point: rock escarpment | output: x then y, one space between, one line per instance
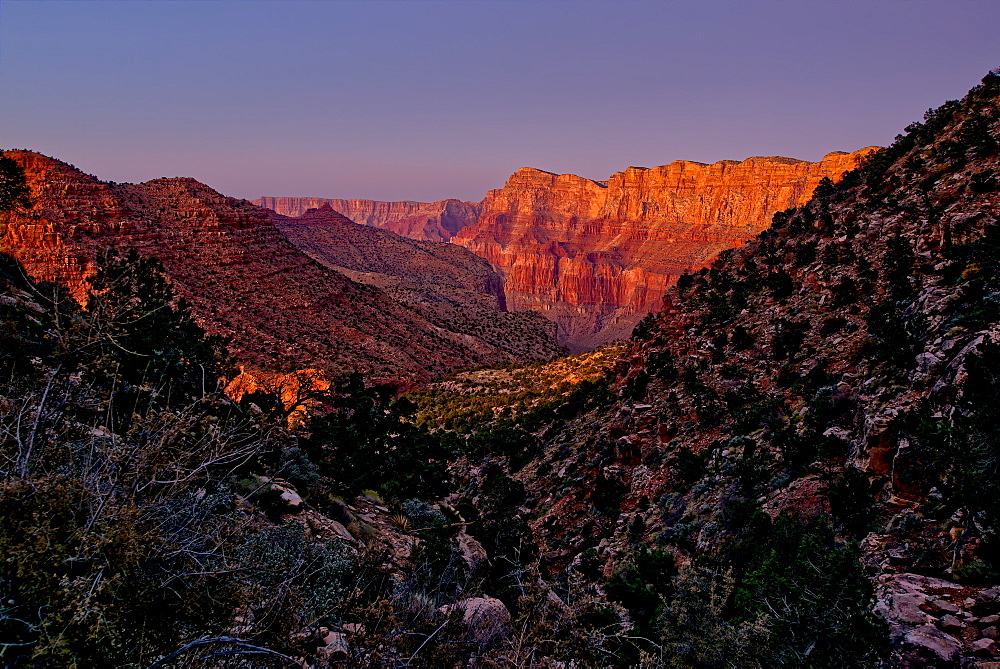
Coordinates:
594 256
430 221
243 278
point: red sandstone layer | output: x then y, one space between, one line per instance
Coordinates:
243 278
594 256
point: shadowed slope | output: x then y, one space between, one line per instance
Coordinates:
448 285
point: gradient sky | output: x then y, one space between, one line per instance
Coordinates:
419 100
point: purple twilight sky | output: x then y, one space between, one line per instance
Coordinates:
423 100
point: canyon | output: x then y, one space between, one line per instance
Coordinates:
595 256
813 409
792 463
243 279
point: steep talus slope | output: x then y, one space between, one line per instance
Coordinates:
430 221
448 285
242 277
594 256
842 364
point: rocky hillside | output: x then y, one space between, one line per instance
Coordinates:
807 429
429 221
148 520
446 284
594 256
243 278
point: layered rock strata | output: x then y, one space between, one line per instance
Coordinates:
282 309
429 221
594 256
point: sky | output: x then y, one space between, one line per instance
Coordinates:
424 100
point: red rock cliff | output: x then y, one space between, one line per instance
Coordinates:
428 221
594 256
283 310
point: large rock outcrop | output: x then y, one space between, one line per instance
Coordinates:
594 256
429 221
282 309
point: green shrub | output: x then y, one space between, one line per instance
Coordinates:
365 441
816 597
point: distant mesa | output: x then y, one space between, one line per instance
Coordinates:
428 221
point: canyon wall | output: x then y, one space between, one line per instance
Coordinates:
429 221
595 256
282 309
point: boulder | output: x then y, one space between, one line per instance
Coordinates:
279 495
353 628
920 583
984 648
987 601
934 642
473 553
334 648
941 606
927 363
325 528
906 608
906 601
951 623
340 531
484 618
293 502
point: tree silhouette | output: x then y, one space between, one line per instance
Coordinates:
14 192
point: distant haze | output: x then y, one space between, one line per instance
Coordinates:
429 100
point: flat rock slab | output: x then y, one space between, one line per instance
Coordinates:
943 646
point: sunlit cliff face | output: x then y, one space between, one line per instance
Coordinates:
594 256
